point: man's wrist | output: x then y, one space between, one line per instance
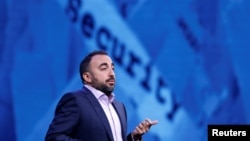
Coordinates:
136 137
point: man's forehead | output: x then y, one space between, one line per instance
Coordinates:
101 59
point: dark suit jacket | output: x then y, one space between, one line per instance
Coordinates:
80 117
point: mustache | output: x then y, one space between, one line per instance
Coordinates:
110 79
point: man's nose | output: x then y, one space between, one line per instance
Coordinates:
112 72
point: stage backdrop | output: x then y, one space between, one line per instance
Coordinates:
184 63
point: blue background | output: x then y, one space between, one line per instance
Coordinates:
184 63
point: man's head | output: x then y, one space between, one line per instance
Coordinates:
97 70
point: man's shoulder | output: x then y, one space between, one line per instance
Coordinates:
74 95
77 92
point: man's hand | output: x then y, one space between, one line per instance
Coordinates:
142 128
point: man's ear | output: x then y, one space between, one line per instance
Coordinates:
86 76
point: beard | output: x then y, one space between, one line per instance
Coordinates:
102 86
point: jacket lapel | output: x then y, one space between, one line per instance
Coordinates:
122 116
99 111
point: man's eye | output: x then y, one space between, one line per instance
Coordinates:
104 68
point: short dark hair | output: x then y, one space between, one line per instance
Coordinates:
84 65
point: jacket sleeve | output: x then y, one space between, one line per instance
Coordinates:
65 120
129 138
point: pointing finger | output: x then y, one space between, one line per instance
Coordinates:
151 122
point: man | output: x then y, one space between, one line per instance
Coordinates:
92 113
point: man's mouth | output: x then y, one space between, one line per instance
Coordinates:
111 81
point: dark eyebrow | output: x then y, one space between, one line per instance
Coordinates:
106 64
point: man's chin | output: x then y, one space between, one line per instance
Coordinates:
111 87
109 90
